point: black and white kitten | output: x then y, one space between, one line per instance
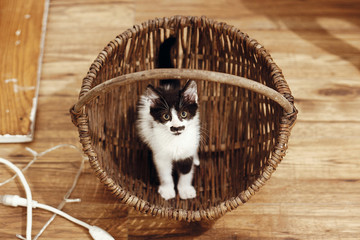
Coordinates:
168 122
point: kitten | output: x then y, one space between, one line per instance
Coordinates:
168 122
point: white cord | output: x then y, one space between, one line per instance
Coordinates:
28 195
14 200
67 195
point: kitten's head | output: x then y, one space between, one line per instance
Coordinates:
173 109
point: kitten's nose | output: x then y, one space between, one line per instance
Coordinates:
177 129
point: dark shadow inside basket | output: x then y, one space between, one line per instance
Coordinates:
238 127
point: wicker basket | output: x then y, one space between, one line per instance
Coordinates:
246 123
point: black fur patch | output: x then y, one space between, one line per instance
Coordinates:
184 166
172 98
164 57
164 61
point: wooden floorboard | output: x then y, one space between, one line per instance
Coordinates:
315 192
22 33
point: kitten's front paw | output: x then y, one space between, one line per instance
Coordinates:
167 192
187 192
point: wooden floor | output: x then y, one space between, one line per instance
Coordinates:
315 192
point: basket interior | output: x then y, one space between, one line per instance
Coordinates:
239 127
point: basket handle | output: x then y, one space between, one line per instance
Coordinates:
173 73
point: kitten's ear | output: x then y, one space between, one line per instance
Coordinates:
190 91
152 95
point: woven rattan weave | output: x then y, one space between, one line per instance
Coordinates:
246 111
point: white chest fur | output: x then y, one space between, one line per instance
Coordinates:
176 147
163 143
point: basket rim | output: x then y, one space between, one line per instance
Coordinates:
287 121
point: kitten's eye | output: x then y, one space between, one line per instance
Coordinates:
166 116
183 114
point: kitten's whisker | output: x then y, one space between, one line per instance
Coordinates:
204 140
204 131
204 136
